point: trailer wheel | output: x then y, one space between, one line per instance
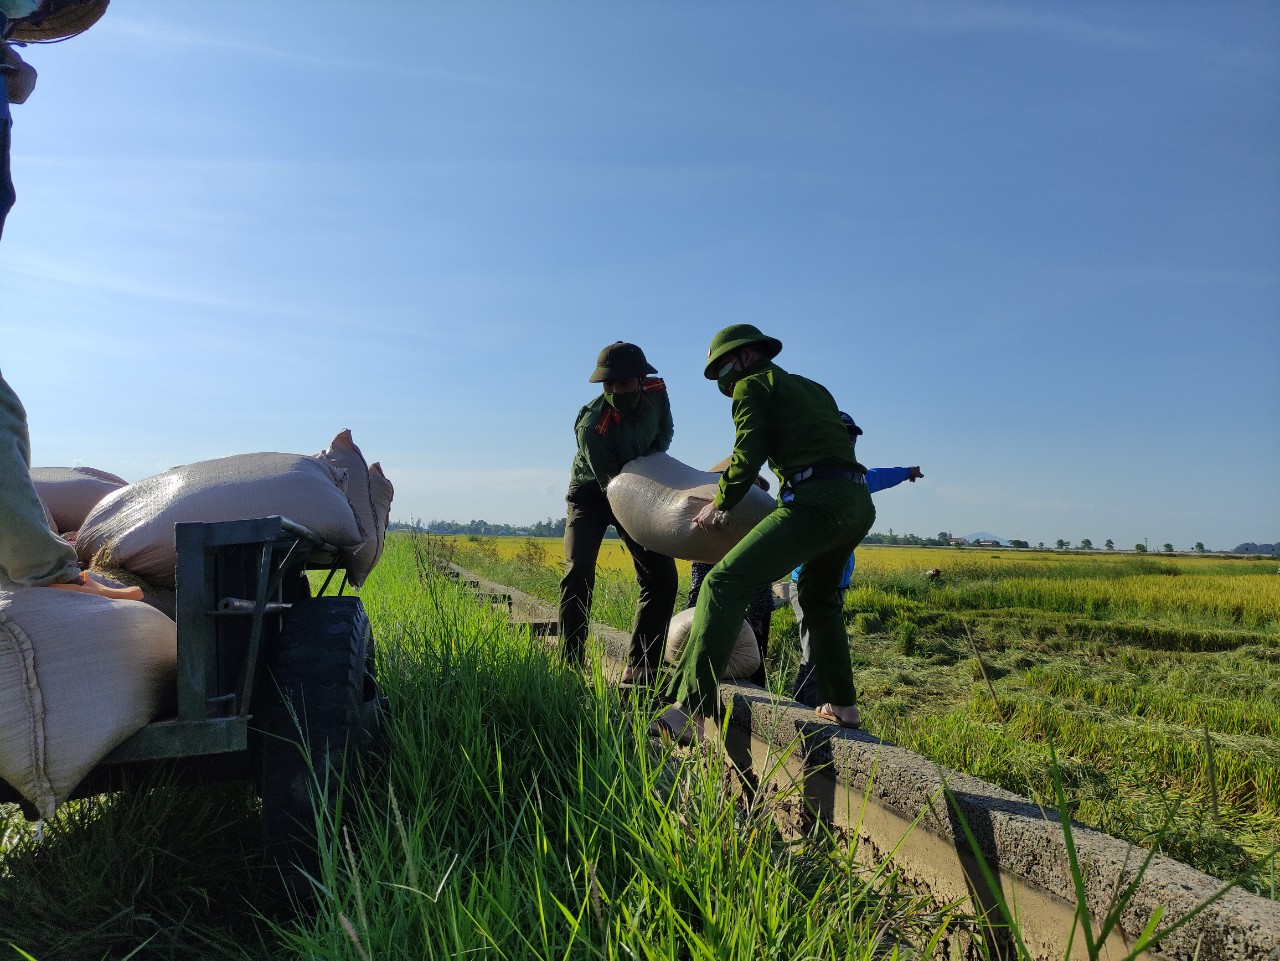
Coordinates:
324 711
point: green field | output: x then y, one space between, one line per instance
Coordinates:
1156 679
523 812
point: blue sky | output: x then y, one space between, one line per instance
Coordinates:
1032 247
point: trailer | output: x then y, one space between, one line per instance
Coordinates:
274 686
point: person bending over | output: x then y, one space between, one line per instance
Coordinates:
824 510
630 418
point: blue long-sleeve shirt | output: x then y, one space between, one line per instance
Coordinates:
878 479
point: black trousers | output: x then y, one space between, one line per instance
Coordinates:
7 195
588 517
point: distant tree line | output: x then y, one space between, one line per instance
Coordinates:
555 528
547 528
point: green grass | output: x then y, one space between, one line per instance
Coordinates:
522 812
563 830
1157 680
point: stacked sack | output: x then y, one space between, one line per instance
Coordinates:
335 494
79 674
70 493
369 493
656 498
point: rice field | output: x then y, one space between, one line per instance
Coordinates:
523 812
1156 679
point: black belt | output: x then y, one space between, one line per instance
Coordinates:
826 473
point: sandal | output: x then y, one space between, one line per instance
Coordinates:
675 725
85 584
829 712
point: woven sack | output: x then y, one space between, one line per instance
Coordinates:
742 662
71 492
132 528
78 675
369 493
656 497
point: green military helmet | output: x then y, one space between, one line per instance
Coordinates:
620 361
733 337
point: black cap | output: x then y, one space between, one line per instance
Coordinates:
850 427
620 361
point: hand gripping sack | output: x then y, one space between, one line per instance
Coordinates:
656 498
79 674
70 493
742 662
132 528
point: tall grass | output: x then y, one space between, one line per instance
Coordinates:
526 813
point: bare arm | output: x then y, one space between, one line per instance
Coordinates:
20 76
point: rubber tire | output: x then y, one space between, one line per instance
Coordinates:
322 700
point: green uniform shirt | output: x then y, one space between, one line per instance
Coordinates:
791 421
607 438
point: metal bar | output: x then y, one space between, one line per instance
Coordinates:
255 629
177 738
239 605
197 648
325 586
285 566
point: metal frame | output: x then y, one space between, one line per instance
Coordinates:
230 603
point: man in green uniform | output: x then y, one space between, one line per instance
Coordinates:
824 510
631 418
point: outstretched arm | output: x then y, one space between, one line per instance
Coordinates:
882 478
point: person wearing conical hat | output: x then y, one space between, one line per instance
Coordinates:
631 417
824 510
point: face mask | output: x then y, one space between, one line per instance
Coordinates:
726 370
726 385
623 402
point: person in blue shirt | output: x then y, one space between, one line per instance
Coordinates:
805 686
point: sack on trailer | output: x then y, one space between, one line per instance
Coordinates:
79 674
369 493
70 493
133 528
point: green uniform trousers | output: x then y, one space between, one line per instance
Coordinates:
31 554
820 526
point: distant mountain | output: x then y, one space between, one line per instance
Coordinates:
984 536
